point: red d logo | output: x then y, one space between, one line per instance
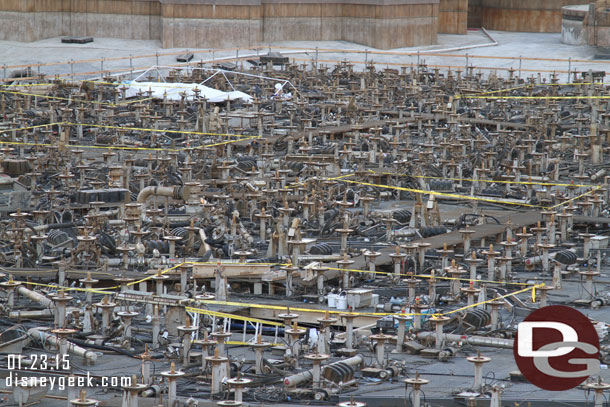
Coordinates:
557 348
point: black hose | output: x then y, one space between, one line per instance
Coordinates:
85 344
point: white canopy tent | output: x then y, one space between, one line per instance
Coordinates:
173 90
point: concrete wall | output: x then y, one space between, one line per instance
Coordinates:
453 16
227 23
573 30
523 15
474 13
209 23
597 28
32 20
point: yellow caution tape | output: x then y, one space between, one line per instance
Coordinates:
427 276
128 102
495 91
228 142
241 137
249 343
91 290
296 184
533 294
12 92
231 316
490 300
597 188
197 133
285 308
267 306
385 273
31 127
529 85
448 195
491 181
536 97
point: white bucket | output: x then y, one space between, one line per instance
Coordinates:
342 301
332 300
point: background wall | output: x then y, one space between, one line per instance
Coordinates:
518 15
227 23
453 16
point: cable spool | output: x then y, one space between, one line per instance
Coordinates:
57 237
106 139
180 232
402 216
477 318
328 149
295 167
441 185
338 372
261 260
323 249
247 165
566 257
161 245
430 231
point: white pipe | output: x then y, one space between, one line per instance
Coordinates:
54 340
39 313
294 380
34 296
493 43
175 192
473 340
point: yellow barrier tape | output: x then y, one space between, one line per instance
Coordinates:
128 102
152 275
232 316
427 276
536 97
236 263
529 85
249 343
386 273
31 127
75 100
296 184
490 300
267 306
52 97
227 142
18 143
496 91
286 307
127 148
57 287
241 138
597 188
197 133
553 184
436 193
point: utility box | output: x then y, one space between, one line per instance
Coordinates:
13 195
360 298
599 242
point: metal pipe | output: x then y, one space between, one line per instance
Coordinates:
473 340
176 192
34 296
294 380
72 348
